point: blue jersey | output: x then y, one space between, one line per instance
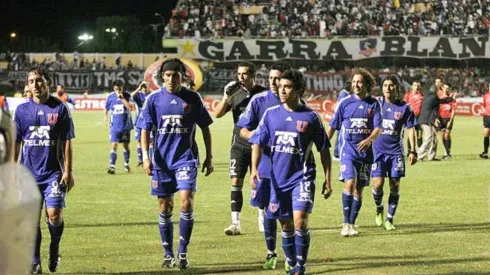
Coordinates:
396 116
43 130
139 99
355 119
250 120
174 116
120 115
291 135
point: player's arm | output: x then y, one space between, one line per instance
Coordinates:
330 132
377 121
254 171
68 178
453 114
208 144
326 159
246 133
225 104
125 101
145 146
133 93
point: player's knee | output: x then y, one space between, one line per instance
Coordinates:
287 225
301 223
166 205
55 218
237 182
114 146
186 204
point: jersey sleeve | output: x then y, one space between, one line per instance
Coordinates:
18 125
147 116
203 118
108 103
336 121
67 126
409 118
249 119
261 135
377 118
320 137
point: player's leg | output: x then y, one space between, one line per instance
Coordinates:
186 184
114 137
486 140
126 153
348 174
260 198
427 141
378 172
55 202
303 197
447 145
363 176
432 153
392 203
163 186
239 163
166 229
139 152
36 259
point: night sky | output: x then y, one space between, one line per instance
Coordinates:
64 20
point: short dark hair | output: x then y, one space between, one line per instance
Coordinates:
42 72
251 67
180 69
393 79
281 66
296 77
447 84
118 83
367 77
348 85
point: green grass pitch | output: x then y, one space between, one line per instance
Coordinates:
442 222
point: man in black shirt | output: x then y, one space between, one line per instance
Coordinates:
236 97
429 121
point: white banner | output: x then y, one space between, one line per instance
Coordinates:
232 50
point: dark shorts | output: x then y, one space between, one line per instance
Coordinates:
53 193
392 166
283 203
444 124
120 137
486 122
260 197
240 162
164 183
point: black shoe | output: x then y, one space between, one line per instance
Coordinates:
140 164
484 155
168 261
183 262
435 159
36 269
54 263
111 170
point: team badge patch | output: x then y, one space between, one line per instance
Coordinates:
398 115
52 119
154 184
273 207
301 126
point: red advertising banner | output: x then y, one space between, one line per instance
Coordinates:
90 104
469 109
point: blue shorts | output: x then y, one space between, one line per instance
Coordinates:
53 193
137 134
165 183
120 137
261 195
283 203
351 169
392 166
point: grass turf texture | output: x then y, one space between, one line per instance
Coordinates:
442 222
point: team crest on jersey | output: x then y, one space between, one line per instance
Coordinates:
52 119
154 184
397 115
273 207
301 126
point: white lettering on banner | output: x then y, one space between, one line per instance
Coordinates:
233 50
90 104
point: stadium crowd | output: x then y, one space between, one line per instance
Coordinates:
326 18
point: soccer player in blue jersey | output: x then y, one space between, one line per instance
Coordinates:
139 96
236 97
290 130
117 103
388 149
44 129
358 119
248 123
175 111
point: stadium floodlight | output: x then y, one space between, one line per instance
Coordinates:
85 37
13 35
113 30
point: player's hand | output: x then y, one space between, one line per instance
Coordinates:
254 175
208 166
412 158
68 181
231 89
148 166
364 145
437 123
327 189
